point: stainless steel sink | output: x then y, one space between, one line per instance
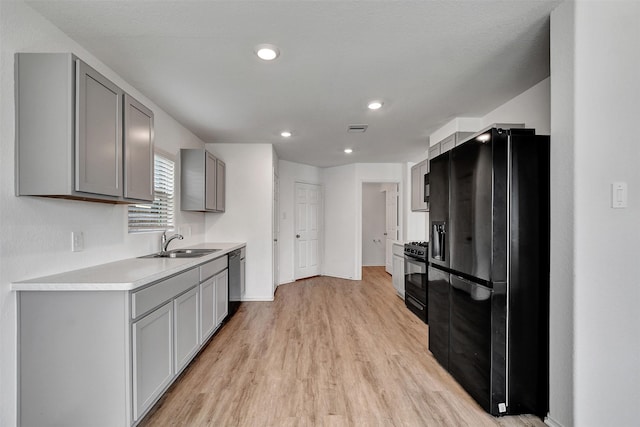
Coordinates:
181 253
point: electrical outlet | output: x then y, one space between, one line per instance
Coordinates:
77 241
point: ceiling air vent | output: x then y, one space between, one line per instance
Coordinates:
357 128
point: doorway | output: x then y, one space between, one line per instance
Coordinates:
380 223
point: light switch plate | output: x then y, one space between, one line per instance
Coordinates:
77 241
619 195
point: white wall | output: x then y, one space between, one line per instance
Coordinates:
340 206
374 208
248 217
36 231
595 124
530 107
561 304
290 173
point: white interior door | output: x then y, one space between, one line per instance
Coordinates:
276 231
308 229
391 232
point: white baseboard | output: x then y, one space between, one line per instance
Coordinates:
269 298
551 422
337 276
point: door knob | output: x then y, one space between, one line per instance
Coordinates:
297 236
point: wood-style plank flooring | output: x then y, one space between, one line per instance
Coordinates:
326 352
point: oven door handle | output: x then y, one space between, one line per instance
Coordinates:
413 302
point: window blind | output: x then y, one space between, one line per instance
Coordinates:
159 215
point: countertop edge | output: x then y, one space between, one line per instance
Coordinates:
65 281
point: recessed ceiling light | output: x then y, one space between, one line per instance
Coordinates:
285 134
267 52
348 150
375 105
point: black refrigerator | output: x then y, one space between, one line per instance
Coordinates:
488 278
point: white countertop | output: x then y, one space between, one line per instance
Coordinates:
125 275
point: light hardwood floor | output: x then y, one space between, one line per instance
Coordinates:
326 352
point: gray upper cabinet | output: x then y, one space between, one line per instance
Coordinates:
210 182
418 173
448 143
220 185
138 150
434 151
202 181
69 133
98 136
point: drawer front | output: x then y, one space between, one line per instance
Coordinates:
398 250
212 268
148 298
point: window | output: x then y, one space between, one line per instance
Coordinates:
157 216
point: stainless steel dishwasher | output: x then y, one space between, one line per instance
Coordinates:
235 281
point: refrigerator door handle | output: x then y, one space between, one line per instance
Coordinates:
476 291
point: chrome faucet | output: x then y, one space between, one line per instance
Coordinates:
165 241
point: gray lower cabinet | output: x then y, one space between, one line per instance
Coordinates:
202 181
214 301
222 295
243 274
152 357
104 358
69 133
207 309
187 333
398 268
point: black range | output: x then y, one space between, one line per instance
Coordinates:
415 278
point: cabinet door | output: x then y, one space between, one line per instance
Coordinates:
398 274
186 333
98 154
220 185
434 151
138 150
210 182
415 187
152 357
207 309
243 267
222 295
448 143
424 170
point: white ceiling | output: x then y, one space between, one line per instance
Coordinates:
430 61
